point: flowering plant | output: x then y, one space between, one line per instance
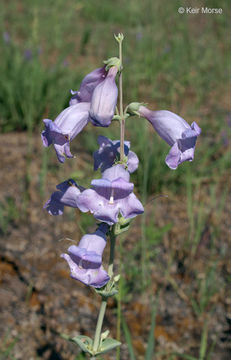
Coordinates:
110 199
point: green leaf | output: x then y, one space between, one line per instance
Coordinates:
107 345
184 356
204 339
127 335
149 355
105 293
84 342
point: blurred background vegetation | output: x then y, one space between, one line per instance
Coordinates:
181 63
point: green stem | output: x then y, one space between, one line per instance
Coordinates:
122 122
118 325
143 220
99 325
112 252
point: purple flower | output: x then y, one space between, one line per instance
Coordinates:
85 260
110 196
64 128
109 152
87 86
28 54
104 99
176 132
67 194
6 37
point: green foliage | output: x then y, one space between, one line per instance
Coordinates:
9 213
207 287
150 351
128 339
27 89
6 349
163 68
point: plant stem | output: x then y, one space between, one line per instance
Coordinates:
112 253
122 122
118 325
99 324
144 199
112 234
122 134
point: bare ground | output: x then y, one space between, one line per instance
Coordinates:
39 301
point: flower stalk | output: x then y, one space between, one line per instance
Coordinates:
112 252
120 38
99 325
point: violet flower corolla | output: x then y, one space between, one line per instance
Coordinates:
110 196
104 99
60 132
85 260
88 85
109 152
67 194
28 54
6 37
176 132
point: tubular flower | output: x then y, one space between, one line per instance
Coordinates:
104 99
109 152
64 128
85 260
87 86
67 194
176 132
110 196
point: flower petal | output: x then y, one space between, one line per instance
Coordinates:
66 126
89 200
173 157
53 205
88 85
93 277
104 99
131 206
107 212
133 162
167 124
84 258
69 191
103 187
115 172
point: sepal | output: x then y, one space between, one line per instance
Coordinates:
133 108
113 61
116 117
122 225
108 290
122 162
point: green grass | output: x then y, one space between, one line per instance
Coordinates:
169 61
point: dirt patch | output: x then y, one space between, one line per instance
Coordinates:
39 301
